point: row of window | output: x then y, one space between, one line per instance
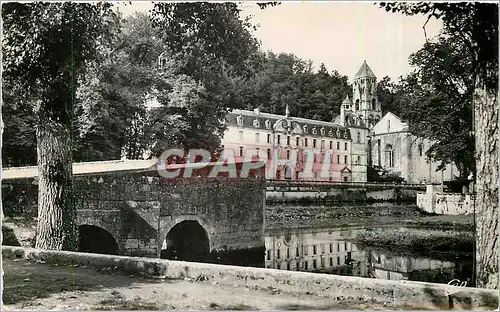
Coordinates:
314 263
316 159
297 141
305 250
314 131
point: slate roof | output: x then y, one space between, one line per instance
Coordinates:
347 100
330 129
365 71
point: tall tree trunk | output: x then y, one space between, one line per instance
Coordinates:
487 199
56 211
1 201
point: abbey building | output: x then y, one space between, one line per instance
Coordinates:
340 150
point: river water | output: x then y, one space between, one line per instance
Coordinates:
304 245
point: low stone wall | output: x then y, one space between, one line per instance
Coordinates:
434 201
412 294
337 194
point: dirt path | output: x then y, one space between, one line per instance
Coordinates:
29 285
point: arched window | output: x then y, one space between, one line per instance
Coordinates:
388 126
389 156
239 120
374 104
357 104
420 149
379 144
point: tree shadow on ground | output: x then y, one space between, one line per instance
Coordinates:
9 237
25 280
459 299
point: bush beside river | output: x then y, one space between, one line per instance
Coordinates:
294 216
439 244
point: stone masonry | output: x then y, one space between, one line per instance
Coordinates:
139 210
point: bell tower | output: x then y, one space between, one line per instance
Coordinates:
365 100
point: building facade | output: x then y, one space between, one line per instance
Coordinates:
340 150
294 148
395 149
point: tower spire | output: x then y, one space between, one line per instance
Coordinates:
287 111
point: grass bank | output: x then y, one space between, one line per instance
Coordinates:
314 216
441 245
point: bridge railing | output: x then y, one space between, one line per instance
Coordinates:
278 182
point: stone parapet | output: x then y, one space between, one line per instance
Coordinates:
417 295
435 201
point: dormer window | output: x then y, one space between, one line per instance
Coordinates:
305 128
256 123
330 133
322 131
338 133
239 120
267 123
345 134
314 131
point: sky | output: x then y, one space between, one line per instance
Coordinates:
339 34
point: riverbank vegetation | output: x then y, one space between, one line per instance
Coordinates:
442 245
295 216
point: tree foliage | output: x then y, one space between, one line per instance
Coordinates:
436 99
209 49
111 107
46 47
477 24
285 79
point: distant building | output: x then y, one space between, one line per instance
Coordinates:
345 147
287 142
395 149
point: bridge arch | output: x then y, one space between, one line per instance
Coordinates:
187 240
96 239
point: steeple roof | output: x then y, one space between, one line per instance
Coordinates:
347 100
365 71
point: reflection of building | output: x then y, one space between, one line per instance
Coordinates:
311 250
385 266
332 251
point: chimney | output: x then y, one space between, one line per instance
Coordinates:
256 111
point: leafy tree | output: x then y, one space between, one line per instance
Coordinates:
111 107
391 96
477 23
439 101
19 135
210 48
264 5
46 48
283 79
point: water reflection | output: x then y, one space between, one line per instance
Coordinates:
334 251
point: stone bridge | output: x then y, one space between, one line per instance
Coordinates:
141 214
